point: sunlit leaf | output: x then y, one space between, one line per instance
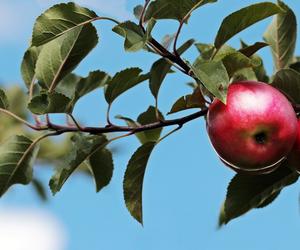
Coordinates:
214 77
60 56
58 20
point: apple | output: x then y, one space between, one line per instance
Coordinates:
293 159
255 130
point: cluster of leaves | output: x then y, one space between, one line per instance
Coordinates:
64 35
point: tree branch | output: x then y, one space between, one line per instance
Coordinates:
114 128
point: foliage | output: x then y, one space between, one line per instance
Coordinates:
64 35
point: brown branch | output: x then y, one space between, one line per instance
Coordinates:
114 128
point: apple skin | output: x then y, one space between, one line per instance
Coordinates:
255 130
293 159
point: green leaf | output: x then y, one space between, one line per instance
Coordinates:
206 50
58 20
252 49
134 178
194 100
60 56
40 189
75 87
49 103
244 74
122 81
101 166
161 68
214 77
3 100
281 35
149 116
269 200
170 9
242 19
251 191
288 81
135 38
28 65
237 61
83 148
17 156
67 93
295 66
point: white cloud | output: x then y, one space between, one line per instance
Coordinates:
30 229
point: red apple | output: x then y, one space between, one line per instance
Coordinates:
255 130
293 159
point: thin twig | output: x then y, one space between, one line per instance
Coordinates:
142 17
38 128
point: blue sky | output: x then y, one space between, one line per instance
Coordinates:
185 183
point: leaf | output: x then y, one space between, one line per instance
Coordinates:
170 9
251 191
3 100
244 74
149 116
17 155
161 68
60 56
214 77
75 87
242 19
269 200
281 35
58 20
40 189
28 65
49 103
206 50
288 81
135 38
237 61
122 81
134 178
194 100
295 66
83 148
252 49
101 166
